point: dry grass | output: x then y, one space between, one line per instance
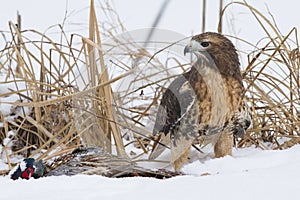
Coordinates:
272 80
64 115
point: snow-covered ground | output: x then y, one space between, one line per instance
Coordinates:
249 174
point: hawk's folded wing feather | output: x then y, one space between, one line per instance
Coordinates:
176 100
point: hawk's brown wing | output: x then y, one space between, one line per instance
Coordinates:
174 103
178 97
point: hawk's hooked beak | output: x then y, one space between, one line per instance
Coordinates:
188 48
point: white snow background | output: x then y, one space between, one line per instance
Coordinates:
249 174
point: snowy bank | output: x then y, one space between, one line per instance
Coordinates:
249 174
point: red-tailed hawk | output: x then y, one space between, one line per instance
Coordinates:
205 103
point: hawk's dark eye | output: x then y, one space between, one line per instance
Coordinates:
205 44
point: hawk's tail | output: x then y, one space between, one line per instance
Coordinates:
162 143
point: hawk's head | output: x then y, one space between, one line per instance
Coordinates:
219 48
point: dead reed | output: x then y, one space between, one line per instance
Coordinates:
272 80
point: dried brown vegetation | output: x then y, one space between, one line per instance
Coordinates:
64 115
